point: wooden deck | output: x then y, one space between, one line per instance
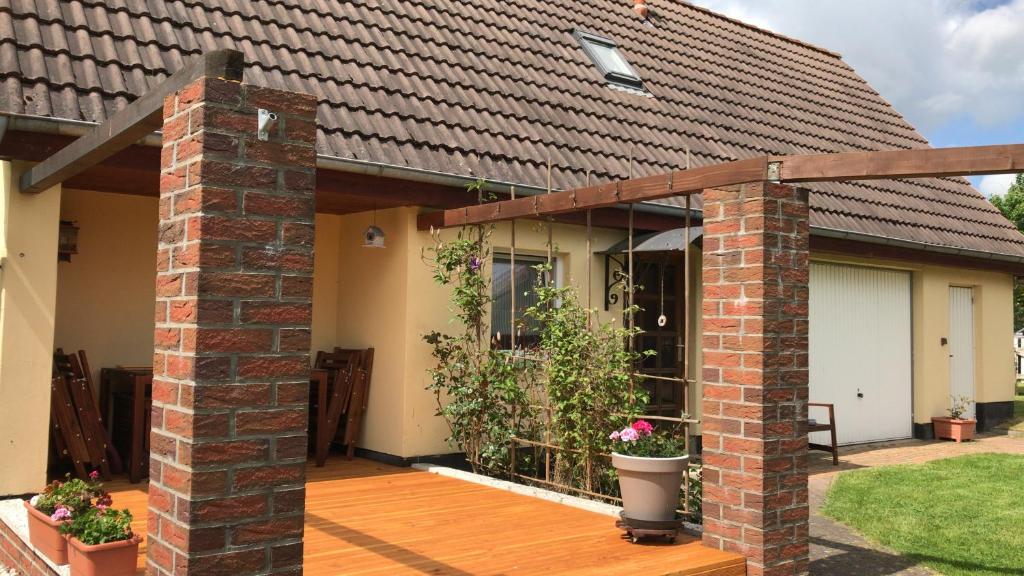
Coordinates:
366 518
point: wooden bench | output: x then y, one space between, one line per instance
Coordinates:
830 427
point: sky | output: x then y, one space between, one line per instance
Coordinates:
953 68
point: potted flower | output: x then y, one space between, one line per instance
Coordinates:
57 504
956 427
650 470
101 542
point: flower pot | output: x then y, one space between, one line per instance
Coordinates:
110 559
954 428
650 486
45 536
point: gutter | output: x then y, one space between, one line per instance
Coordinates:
924 246
66 127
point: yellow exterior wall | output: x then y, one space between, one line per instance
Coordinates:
387 299
993 330
28 286
106 294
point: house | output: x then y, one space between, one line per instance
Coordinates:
1018 348
911 280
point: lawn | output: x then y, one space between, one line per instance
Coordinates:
960 516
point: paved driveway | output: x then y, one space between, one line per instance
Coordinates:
840 551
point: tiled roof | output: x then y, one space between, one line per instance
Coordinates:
497 87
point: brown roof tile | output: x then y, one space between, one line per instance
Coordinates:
497 87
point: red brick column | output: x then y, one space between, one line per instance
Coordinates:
754 422
233 312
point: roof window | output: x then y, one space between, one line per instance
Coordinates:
609 61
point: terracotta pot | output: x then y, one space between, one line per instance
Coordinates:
45 536
954 428
650 486
110 559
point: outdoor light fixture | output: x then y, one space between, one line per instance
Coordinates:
67 241
374 236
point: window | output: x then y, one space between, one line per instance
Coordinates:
609 61
527 278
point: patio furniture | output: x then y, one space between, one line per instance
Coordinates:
830 427
126 399
78 429
339 387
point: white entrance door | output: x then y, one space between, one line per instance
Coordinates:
961 344
860 351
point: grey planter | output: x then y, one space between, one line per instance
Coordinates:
650 486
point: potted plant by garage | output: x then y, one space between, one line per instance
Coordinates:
56 505
650 467
956 427
101 542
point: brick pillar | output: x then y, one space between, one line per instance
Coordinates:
233 313
754 422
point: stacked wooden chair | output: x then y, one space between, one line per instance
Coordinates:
340 391
77 429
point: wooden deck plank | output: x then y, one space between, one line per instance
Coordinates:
366 518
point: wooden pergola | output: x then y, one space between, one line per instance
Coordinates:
921 163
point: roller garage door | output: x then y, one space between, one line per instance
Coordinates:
860 351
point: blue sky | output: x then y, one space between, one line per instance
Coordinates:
953 68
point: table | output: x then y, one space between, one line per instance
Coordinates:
137 383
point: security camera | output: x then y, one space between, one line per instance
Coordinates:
265 120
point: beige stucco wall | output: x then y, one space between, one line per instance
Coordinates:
28 286
993 319
388 300
105 294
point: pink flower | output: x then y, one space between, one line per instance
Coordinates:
614 435
61 513
102 508
629 435
94 475
643 427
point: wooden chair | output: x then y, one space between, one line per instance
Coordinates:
342 380
73 389
830 428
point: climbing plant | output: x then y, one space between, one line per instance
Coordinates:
586 377
482 393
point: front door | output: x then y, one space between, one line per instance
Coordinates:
961 344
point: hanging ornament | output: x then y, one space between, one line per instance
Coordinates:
373 237
662 319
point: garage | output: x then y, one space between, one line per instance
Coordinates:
860 351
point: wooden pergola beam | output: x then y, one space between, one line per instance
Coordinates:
924 163
678 183
932 162
128 125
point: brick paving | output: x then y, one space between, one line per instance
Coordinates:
837 550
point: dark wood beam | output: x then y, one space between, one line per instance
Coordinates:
129 125
932 162
600 218
910 255
678 183
925 163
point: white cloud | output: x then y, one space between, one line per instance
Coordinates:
995 184
934 60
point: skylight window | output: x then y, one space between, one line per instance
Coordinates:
609 61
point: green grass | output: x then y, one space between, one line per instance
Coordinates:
960 516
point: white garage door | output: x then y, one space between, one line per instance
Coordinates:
860 351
